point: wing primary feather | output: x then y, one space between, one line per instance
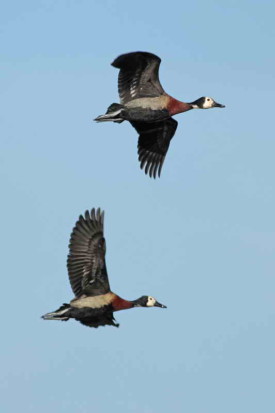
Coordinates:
153 144
86 259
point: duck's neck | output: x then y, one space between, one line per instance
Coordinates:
176 106
121 304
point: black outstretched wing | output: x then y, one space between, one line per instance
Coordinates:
138 76
86 259
153 143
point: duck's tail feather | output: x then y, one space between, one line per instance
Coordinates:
61 314
113 114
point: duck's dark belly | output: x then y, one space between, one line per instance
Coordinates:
138 114
94 317
88 312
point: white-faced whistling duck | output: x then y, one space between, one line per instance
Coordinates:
145 104
94 302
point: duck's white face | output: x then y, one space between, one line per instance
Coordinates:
151 301
205 103
211 103
208 103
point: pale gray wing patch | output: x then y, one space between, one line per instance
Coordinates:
134 85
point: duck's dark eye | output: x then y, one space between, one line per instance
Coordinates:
208 100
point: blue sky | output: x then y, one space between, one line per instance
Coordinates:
201 239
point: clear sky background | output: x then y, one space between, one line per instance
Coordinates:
200 239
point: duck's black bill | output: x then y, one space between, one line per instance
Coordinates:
218 105
157 304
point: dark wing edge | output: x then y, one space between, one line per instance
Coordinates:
130 60
153 144
138 76
86 258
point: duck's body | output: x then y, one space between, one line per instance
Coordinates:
164 103
94 302
145 104
153 109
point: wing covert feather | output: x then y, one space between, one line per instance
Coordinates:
138 76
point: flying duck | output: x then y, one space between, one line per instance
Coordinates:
149 109
94 302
